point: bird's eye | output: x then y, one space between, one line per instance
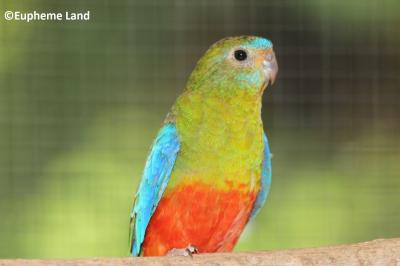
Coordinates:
240 55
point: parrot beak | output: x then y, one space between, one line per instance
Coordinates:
270 66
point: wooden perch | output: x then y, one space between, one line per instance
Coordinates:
377 252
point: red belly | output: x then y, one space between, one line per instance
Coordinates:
196 214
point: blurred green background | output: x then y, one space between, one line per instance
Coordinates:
80 103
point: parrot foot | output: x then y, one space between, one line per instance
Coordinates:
188 251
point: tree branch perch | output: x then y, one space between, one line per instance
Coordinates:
377 252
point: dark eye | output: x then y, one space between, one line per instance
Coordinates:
240 55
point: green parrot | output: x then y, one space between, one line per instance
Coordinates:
209 169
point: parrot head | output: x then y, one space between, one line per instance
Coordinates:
236 64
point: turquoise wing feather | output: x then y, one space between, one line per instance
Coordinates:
157 172
266 175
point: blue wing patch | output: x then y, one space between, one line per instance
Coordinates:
155 178
265 180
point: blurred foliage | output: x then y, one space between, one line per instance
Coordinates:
80 103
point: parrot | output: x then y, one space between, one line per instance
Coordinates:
208 172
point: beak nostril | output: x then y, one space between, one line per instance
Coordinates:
270 67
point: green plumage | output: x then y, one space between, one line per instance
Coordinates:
218 117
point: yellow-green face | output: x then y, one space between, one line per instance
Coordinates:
236 63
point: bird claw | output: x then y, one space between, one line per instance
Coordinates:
188 251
